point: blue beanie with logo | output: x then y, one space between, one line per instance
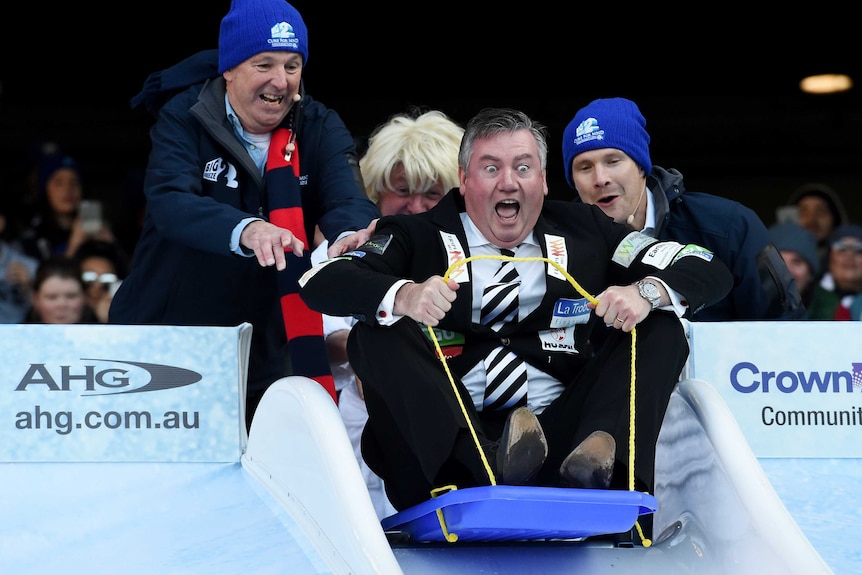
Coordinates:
254 26
607 123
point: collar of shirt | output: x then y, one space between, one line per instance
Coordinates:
649 224
257 145
531 273
480 245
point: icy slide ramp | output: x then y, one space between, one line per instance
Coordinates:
290 499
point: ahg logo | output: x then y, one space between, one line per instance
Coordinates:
110 380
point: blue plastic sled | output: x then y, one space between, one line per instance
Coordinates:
507 512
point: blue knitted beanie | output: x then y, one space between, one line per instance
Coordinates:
254 26
607 123
846 231
791 237
50 164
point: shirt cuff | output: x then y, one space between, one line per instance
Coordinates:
235 246
677 303
384 315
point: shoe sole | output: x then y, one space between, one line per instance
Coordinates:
591 463
523 448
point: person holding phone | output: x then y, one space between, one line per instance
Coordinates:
63 219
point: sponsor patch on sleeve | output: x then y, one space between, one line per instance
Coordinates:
628 249
311 273
694 250
377 244
661 254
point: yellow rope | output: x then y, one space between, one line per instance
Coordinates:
450 537
577 286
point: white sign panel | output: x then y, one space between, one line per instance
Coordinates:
794 387
94 393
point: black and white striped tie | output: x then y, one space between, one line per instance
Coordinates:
500 299
506 373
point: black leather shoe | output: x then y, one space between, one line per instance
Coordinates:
591 463
522 448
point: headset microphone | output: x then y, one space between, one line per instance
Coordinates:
631 218
297 97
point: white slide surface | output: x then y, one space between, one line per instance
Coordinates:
289 497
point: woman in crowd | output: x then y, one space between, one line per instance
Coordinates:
837 295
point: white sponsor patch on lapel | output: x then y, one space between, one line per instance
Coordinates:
561 339
557 252
454 254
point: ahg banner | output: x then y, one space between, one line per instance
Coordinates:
95 393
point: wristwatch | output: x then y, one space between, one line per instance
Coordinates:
649 292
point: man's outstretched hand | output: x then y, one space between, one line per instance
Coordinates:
352 241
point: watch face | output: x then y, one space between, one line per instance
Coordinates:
649 290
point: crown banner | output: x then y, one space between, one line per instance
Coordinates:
97 393
794 387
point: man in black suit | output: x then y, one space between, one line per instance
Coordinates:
561 416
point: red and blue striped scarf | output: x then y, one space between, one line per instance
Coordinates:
303 326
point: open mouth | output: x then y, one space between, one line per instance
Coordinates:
270 99
507 209
606 200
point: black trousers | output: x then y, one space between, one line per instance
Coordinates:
417 437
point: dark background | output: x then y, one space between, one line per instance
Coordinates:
719 90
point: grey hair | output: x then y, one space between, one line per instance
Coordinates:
494 121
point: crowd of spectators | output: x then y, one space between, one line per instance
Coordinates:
40 218
59 264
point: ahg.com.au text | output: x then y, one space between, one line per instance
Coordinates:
64 422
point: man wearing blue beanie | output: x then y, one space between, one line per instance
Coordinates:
244 167
607 162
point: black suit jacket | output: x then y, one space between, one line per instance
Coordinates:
596 252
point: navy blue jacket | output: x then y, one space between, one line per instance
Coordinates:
200 183
763 287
